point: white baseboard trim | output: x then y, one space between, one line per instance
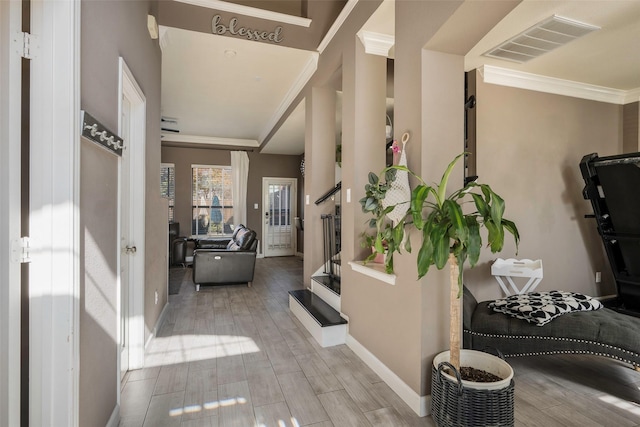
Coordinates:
421 405
300 254
156 328
114 419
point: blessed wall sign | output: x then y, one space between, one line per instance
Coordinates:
219 27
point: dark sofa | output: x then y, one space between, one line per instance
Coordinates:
602 332
225 261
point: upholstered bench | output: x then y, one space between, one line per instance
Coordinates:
602 332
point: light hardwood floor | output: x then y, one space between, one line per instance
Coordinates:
236 356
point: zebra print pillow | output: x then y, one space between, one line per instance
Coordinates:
541 308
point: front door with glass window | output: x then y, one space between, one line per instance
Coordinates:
279 202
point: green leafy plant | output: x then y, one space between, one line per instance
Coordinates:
449 234
387 237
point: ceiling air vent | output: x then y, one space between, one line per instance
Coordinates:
543 37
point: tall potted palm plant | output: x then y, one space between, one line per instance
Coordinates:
449 235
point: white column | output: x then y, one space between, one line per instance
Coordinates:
363 135
10 169
319 153
54 219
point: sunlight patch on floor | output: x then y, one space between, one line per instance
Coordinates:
194 347
622 404
176 412
282 423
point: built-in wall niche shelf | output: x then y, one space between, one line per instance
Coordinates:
374 270
94 131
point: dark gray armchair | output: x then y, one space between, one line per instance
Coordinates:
233 264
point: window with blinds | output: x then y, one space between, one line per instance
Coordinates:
168 185
212 200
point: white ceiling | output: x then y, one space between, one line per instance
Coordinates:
226 88
241 97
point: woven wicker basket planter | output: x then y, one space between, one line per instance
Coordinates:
456 403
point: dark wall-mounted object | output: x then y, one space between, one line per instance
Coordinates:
470 169
612 184
94 131
329 193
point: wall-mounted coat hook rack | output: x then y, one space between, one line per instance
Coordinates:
93 130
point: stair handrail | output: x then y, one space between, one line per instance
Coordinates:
329 193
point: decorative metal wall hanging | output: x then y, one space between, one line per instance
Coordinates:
236 30
94 131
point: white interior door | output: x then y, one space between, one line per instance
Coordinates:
279 210
126 248
131 236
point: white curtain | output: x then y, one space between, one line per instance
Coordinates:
240 171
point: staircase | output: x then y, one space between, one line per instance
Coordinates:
318 308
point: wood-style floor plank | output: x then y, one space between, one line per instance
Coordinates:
236 409
342 410
263 384
275 415
165 410
302 400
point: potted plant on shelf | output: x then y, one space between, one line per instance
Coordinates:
369 241
387 237
451 236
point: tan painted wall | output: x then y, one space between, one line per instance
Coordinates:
529 145
405 325
631 128
320 146
260 165
290 7
383 318
110 30
98 290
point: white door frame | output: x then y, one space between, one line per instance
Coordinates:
54 218
129 88
293 211
10 143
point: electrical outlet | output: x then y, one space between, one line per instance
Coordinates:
156 297
598 277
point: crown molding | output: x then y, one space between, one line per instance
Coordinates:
522 80
164 37
208 140
307 71
250 11
376 43
633 95
344 14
